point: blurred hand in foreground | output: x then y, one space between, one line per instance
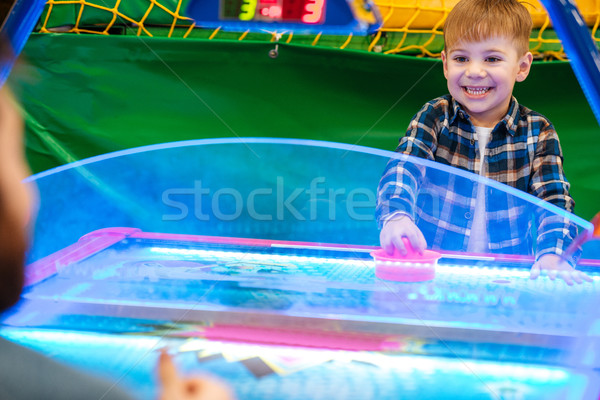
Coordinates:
176 387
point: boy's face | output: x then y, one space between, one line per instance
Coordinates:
481 76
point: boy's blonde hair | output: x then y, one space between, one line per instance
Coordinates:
476 20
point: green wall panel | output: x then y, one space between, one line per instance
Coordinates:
87 95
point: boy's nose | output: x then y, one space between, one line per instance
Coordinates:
475 70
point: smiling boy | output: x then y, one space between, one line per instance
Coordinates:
486 51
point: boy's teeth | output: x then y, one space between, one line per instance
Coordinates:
476 91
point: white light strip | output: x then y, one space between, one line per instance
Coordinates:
482 271
469 257
304 247
269 258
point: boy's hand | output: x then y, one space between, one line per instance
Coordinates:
177 387
555 266
400 226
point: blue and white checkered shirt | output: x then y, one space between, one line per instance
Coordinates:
524 153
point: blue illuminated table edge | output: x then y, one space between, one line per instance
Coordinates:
102 238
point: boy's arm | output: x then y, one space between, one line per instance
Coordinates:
397 191
549 183
398 187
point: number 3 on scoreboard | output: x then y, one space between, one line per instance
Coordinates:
247 10
314 11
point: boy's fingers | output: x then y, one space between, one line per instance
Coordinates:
388 236
388 246
534 273
392 233
422 243
576 275
581 276
566 276
386 243
585 276
399 245
415 241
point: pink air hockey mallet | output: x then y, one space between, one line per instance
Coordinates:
411 267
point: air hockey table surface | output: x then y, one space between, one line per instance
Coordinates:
282 301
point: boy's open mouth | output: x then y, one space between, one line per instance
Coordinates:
476 91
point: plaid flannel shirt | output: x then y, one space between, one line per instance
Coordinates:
523 152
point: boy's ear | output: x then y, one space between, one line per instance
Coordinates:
524 66
445 63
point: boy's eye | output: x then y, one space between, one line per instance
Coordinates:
492 59
460 59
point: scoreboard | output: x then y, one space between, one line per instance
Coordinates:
302 16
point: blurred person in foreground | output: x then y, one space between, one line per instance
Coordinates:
24 373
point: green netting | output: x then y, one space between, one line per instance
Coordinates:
410 27
95 15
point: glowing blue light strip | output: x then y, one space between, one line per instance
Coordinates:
87 338
256 257
410 363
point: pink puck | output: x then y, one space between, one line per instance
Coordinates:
412 267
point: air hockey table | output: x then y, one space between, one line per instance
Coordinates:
251 260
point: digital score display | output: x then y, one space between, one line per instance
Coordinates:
304 16
292 11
